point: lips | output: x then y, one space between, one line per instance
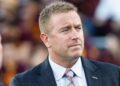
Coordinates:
75 45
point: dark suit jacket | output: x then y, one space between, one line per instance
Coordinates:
97 74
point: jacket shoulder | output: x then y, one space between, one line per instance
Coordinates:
28 76
106 66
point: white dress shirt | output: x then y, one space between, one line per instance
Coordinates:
59 71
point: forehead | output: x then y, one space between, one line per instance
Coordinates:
65 17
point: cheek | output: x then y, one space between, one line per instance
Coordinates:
82 37
61 44
60 41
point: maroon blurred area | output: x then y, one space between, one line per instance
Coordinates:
23 48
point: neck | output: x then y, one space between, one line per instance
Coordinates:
67 63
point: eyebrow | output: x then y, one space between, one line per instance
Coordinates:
67 25
79 24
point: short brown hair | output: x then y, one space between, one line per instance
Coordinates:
53 8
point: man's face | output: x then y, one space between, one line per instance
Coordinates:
66 38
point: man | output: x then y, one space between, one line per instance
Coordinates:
62 33
0 52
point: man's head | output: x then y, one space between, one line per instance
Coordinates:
53 8
61 30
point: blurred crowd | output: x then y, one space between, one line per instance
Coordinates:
23 49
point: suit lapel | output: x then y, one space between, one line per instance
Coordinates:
46 77
92 73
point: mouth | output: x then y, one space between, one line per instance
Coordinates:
75 45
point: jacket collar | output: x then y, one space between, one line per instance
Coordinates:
45 75
92 72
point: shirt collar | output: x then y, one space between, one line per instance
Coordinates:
76 68
55 67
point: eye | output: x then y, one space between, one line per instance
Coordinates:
78 27
65 29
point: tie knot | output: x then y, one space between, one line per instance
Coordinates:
69 73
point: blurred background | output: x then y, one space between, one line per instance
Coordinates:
23 49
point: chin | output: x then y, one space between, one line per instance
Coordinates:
76 55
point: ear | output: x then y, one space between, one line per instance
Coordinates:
44 37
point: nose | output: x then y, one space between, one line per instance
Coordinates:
75 35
